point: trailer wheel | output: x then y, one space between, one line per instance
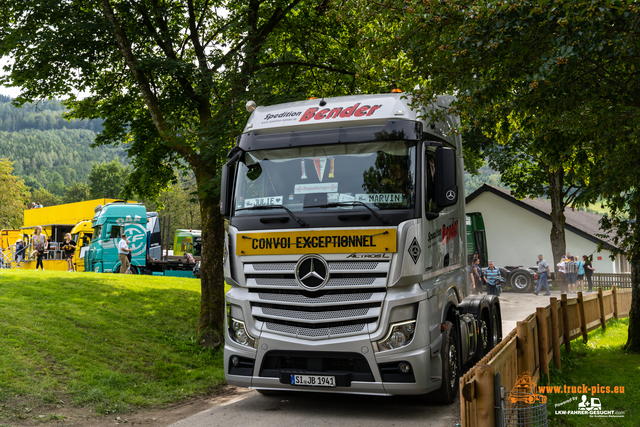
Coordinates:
450 367
521 280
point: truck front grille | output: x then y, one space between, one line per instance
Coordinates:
349 304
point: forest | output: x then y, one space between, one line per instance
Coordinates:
47 150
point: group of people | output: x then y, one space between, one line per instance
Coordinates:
489 277
571 271
40 244
35 205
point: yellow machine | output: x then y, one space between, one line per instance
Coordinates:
56 221
8 238
81 234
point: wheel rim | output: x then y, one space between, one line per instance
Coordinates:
521 281
453 364
484 334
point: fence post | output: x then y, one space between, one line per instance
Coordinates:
522 346
614 295
603 321
583 318
484 396
543 341
555 332
565 323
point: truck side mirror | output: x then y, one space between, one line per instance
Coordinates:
226 190
109 229
445 179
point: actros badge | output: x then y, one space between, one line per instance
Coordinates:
312 272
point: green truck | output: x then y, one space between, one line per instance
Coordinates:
519 278
143 233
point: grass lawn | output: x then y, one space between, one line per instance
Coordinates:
105 341
600 361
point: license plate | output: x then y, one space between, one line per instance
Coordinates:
313 380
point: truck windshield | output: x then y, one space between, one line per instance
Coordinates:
380 174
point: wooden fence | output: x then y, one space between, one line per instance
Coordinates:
609 280
532 345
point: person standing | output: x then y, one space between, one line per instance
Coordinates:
478 276
491 275
19 251
571 271
562 273
123 250
580 267
40 244
543 274
588 271
69 250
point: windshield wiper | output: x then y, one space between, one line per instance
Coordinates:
267 207
353 203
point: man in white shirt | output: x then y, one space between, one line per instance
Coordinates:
561 272
123 250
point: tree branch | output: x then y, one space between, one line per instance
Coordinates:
306 64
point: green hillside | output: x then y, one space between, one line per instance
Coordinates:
47 150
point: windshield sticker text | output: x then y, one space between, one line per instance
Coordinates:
379 198
263 201
329 187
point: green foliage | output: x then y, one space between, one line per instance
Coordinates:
179 202
77 192
106 180
42 157
13 196
45 197
111 342
43 115
584 366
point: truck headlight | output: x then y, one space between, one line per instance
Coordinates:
399 335
239 333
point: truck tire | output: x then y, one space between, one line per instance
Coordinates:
484 336
521 280
496 327
450 367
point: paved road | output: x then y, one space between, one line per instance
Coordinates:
314 409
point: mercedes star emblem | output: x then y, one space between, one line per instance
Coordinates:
312 272
451 194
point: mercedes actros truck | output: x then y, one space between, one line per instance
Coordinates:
346 251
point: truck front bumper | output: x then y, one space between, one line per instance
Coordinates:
351 360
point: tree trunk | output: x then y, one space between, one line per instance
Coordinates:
211 321
633 340
556 194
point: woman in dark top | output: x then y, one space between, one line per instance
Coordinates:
69 247
588 270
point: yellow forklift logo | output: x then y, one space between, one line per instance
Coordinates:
317 241
525 390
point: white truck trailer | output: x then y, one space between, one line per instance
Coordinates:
346 251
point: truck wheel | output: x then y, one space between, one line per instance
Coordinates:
484 331
496 328
450 367
521 280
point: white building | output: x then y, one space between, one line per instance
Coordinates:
518 230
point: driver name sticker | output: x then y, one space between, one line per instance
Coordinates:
379 198
329 187
263 201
